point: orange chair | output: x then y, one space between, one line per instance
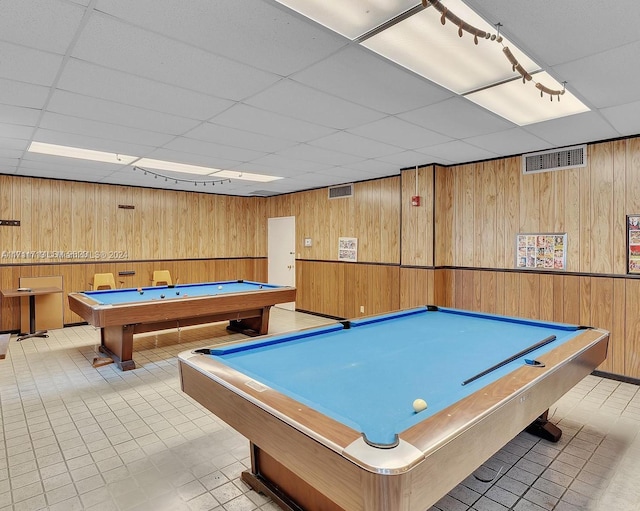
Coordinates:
161 278
103 281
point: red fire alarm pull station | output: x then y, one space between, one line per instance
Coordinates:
415 200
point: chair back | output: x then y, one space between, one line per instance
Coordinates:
161 278
103 281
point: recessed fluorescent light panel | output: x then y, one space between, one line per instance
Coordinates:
83 154
175 167
121 159
351 18
419 42
521 102
246 176
422 44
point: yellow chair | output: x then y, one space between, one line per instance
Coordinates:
161 278
103 281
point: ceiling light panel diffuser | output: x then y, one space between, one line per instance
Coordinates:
78 152
521 102
351 18
174 167
422 44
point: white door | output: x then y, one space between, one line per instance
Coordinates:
281 248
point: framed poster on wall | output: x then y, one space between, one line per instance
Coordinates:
541 251
348 249
633 244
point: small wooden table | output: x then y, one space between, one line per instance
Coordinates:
31 293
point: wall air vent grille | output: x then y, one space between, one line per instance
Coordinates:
340 192
557 159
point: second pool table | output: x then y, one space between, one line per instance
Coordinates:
328 411
121 313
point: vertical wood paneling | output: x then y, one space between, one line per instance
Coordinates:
444 217
632 329
547 305
417 222
601 186
512 211
618 209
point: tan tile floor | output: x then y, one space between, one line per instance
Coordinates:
78 437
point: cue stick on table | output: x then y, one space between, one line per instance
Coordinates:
531 348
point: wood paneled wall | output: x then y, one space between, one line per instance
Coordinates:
418 221
77 229
481 207
372 215
64 216
341 289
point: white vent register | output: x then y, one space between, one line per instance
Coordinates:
556 159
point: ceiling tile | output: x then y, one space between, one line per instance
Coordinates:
301 102
573 130
598 88
28 65
19 115
22 94
15 130
215 151
400 133
344 142
90 142
103 130
623 118
319 155
254 32
563 31
238 138
289 166
458 150
357 75
91 80
457 118
255 120
48 25
513 141
105 40
110 112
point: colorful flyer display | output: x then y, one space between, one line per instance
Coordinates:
542 251
633 242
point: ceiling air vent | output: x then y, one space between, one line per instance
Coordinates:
556 159
340 192
263 193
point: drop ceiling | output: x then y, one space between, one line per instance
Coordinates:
251 86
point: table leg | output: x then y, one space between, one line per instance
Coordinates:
542 428
258 325
117 342
32 322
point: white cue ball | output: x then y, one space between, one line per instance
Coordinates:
219 287
419 405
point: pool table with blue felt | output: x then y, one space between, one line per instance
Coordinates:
120 313
329 414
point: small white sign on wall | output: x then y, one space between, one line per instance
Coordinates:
348 249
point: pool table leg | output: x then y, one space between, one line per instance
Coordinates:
286 489
544 429
117 342
258 325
